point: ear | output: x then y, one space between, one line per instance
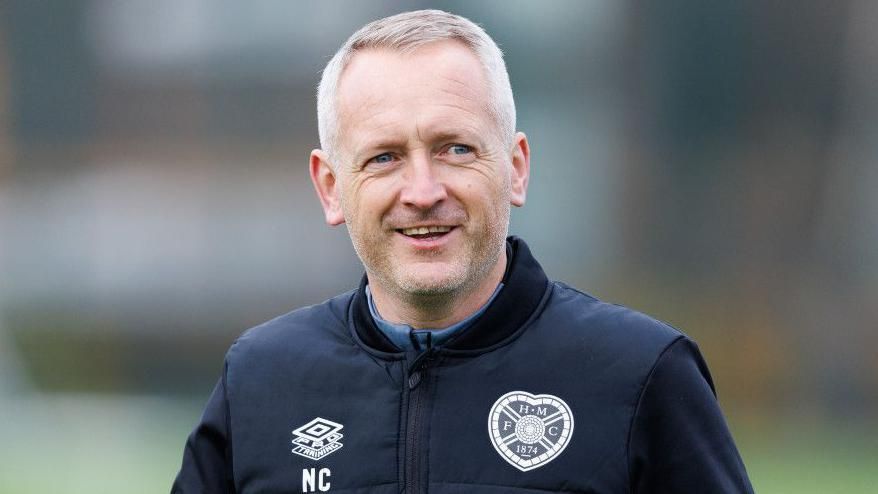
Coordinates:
328 189
520 170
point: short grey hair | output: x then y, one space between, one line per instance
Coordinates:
406 32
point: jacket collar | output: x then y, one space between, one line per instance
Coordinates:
525 286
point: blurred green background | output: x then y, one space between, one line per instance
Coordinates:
710 163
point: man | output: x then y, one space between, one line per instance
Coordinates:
456 366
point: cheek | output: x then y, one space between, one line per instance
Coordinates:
488 198
368 201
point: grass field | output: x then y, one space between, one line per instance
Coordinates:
75 444
807 456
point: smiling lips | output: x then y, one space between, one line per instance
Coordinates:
425 232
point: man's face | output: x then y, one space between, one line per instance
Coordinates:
422 179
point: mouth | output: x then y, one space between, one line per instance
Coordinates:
426 232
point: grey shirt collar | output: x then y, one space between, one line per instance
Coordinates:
401 334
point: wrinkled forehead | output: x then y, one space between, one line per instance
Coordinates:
381 86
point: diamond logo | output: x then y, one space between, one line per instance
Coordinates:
317 438
529 431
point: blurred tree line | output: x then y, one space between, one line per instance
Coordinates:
154 200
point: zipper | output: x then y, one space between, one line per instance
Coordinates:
418 388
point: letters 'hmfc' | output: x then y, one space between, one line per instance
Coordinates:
529 430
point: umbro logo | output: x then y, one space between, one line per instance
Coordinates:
529 430
317 438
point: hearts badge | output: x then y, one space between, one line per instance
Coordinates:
529 430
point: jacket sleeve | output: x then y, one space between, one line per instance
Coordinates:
207 456
679 440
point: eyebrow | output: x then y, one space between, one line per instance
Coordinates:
386 144
452 136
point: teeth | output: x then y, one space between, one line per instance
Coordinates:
423 230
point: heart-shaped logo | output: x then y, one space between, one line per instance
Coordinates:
529 430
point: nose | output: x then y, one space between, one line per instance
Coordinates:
422 189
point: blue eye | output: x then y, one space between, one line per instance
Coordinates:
382 158
460 149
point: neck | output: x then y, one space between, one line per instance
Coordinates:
437 310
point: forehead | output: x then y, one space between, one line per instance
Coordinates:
440 84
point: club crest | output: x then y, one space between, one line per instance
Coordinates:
317 438
529 430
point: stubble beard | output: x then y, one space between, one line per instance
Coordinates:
466 269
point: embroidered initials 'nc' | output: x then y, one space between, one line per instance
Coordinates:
312 480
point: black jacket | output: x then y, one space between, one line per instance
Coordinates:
550 390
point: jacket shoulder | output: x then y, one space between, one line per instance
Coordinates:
591 322
308 329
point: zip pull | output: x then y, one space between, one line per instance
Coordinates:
414 379
427 351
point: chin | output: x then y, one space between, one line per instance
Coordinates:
435 280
